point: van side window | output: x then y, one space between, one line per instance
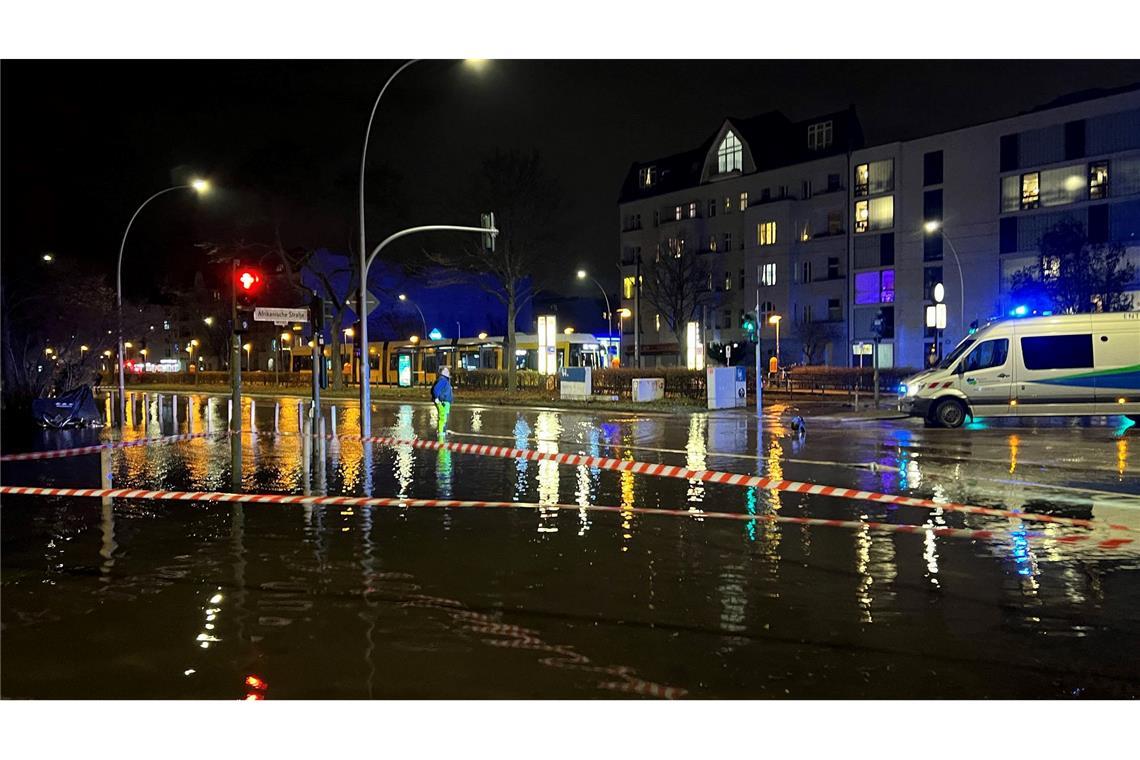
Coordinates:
1057 352
990 353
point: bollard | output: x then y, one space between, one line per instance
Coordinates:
252 427
174 412
229 410
277 417
301 415
307 455
209 415
322 487
333 413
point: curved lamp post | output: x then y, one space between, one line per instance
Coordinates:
403 297
934 226
199 186
583 275
362 302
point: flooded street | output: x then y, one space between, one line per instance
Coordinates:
167 599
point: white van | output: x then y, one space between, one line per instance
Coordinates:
1073 364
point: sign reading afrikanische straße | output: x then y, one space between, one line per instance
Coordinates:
281 316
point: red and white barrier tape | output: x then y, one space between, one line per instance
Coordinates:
728 478
374 501
58 453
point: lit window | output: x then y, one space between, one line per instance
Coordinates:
862 213
647 176
1098 181
805 232
768 274
1051 267
819 135
727 205
743 201
657 321
712 242
875 287
1030 189
766 233
728 155
693 210
677 213
862 179
627 287
728 280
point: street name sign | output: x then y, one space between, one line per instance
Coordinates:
280 316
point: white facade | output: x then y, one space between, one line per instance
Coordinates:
850 241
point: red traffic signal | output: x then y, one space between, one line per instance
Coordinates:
248 281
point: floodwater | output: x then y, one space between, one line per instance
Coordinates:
153 599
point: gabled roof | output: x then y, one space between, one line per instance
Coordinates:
772 138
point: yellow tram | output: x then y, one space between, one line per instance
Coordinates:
408 362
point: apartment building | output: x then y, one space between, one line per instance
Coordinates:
762 201
837 233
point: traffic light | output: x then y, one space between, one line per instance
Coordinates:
487 221
749 326
247 288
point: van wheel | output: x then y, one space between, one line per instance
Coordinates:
950 413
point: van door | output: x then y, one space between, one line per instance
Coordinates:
1116 354
1054 374
987 377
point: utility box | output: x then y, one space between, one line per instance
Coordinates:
577 383
648 389
727 387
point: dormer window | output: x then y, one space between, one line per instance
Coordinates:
820 135
729 154
647 177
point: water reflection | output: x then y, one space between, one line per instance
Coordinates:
695 459
548 429
403 465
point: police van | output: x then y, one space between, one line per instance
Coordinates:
1073 364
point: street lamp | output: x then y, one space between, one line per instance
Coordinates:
583 275
404 297
775 320
935 226
209 321
622 314
287 337
190 365
248 356
48 257
365 259
482 336
199 186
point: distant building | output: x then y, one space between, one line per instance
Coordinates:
836 233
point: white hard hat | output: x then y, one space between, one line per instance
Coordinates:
446 372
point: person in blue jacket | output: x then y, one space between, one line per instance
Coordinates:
441 395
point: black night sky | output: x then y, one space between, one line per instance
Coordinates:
85 142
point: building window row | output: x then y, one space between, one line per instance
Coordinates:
1070 184
766 233
875 214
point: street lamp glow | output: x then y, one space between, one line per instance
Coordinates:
200 186
209 321
475 64
84 349
194 342
107 353
286 337
48 257
402 297
774 319
932 226
48 351
624 312
482 336
348 332
128 344
569 331
581 274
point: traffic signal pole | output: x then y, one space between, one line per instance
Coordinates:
235 383
759 381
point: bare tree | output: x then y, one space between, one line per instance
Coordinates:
1072 275
525 200
814 337
677 285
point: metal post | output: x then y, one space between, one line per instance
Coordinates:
174 412
333 412
307 452
277 417
637 314
252 426
759 359
876 373
235 383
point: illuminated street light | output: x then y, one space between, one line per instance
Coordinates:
128 344
248 356
198 185
775 320
568 331
48 257
931 227
414 339
482 336
209 321
48 351
622 313
582 275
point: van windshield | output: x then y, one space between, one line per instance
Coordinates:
962 348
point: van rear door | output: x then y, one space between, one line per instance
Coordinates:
1116 353
1055 372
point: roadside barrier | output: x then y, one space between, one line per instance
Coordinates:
59 453
373 501
728 478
